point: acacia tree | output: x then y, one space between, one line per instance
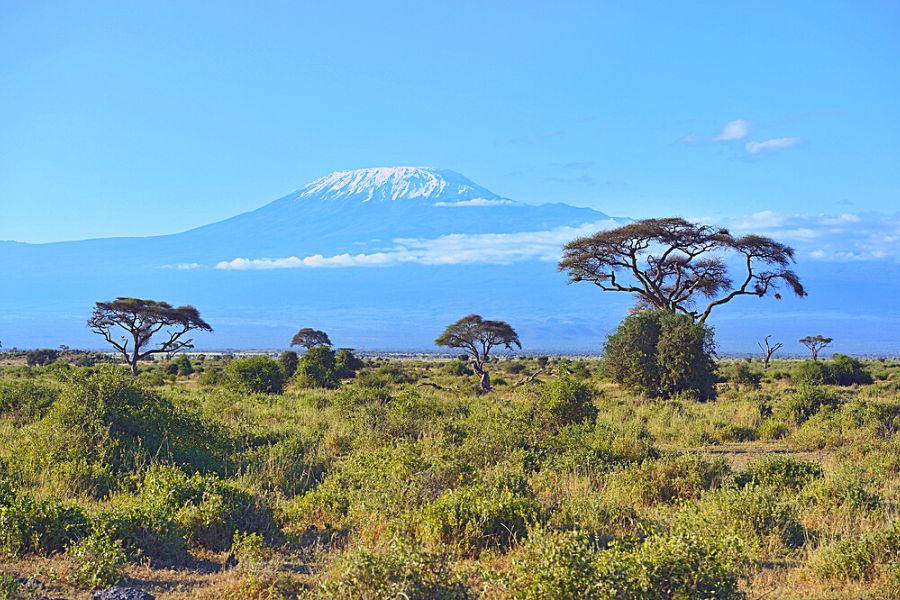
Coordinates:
672 264
310 338
816 343
768 349
141 319
478 336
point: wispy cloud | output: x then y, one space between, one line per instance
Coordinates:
475 202
735 130
772 145
841 237
183 266
739 129
485 248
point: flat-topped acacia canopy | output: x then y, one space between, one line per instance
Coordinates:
671 263
141 319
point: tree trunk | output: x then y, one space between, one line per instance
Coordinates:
483 377
485 381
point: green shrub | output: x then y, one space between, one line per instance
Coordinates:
183 365
846 486
98 561
592 447
107 424
479 516
810 373
401 570
764 522
26 399
783 472
255 374
346 364
803 403
667 479
740 374
680 564
457 368
317 368
288 361
662 354
861 558
28 525
568 400
555 564
844 370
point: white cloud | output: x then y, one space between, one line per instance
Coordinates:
183 266
735 130
452 249
842 238
764 147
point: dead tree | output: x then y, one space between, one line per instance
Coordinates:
768 349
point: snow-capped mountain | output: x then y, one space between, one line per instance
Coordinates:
423 184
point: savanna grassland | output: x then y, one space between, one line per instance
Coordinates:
405 481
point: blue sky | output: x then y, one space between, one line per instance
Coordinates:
144 118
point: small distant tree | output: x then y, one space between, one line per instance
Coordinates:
672 264
140 320
816 343
478 336
769 350
310 338
288 360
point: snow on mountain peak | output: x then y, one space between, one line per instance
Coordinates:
434 186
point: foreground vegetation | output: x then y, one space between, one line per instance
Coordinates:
406 480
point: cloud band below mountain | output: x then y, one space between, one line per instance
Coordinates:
484 248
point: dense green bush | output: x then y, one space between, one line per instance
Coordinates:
317 368
169 511
803 403
740 374
667 479
764 522
862 558
597 447
457 368
98 561
346 364
782 472
662 354
555 564
31 525
183 365
26 399
107 424
845 370
288 361
840 370
478 516
255 374
567 400
401 570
